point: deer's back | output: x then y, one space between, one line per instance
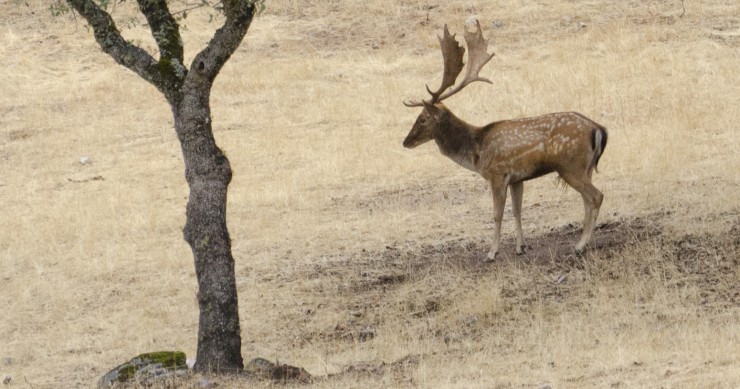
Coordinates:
530 147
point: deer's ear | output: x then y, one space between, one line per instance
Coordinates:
433 110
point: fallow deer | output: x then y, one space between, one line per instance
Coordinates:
507 153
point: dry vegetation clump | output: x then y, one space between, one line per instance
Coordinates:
357 259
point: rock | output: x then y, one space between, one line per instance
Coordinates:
261 368
206 384
85 160
146 368
471 20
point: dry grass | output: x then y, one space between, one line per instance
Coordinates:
352 251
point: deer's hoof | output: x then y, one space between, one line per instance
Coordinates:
491 256
520 250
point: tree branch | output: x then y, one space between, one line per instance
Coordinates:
239 15
164 75
165 30
111 41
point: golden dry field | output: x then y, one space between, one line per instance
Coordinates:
353 254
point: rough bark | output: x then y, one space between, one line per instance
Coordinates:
207 169
208 174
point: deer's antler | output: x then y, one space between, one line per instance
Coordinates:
452 53
477 58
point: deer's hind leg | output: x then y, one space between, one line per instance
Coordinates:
592 199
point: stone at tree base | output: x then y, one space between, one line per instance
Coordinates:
264 369
146 368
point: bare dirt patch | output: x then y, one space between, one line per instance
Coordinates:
417 292
368 280
554 248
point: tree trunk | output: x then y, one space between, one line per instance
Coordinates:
208 174
207 169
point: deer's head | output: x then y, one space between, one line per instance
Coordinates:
433 115
428 121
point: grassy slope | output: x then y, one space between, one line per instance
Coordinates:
325 202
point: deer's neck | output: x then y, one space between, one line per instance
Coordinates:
456 140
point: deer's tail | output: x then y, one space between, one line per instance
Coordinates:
598 144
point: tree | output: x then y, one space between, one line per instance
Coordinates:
207 170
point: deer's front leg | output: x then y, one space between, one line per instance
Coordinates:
498 189
517 192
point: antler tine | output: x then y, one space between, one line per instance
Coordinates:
477 57
419 103
413 103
